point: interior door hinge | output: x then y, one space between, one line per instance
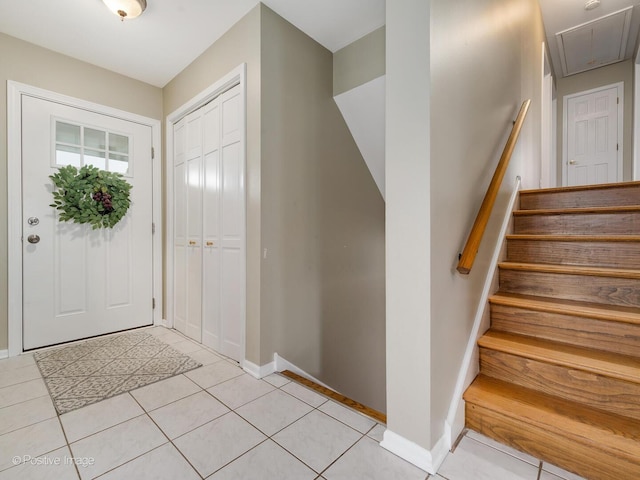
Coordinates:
617 146
153 303
153 153
153 228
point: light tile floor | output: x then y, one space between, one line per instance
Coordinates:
219 423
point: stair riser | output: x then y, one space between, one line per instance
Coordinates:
605 254
597 391
585 457
604 290
610 336
628 195
623 223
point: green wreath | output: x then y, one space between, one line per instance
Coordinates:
90 195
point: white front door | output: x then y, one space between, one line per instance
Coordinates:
593 144
79 282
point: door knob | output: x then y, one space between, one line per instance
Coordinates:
33 238
572 162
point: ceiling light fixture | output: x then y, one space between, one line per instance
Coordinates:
126 8
591 4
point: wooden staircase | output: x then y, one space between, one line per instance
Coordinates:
560 366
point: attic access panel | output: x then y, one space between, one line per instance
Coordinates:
594 44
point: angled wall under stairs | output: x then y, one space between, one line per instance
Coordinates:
560 366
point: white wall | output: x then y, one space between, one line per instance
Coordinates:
457 74
408 230
486 59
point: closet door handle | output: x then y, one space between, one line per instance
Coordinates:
209 244
192 242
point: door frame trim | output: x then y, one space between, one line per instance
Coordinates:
565 152
237 76
15 91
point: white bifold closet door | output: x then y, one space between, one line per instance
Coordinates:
209 223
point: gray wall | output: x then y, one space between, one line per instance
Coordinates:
318 297
322 283
600 77
27 63
457 73
359 62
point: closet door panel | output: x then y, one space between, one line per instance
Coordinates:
231 293
232 296
232 196
211 298
194 249
180 249
211 266
179 228
211 138
194 293
194 225
193 135
232 123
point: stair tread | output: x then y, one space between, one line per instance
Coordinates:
578 188
580 210
575 238
598 362
562 417
572 269
568 307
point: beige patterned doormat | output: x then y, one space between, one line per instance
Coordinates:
87 372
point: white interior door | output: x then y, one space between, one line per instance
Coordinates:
79 282
209 225
594 152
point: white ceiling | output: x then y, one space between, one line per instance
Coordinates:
561 15
170 34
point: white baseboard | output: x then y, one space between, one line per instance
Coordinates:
427 460
258 371
4 353
281 364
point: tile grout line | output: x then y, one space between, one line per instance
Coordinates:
341 455
28 425
319 473
44 453
66 439
267 437
168 439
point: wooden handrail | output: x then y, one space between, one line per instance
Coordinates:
470 251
